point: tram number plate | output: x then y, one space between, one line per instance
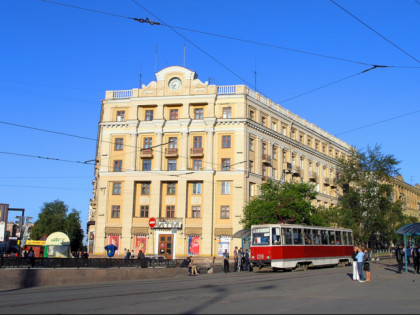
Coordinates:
260 256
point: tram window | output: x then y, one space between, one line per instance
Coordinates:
350 235
286 236
261 236
345 239
338 238
307 235
324 237
275 234
331 237
297 237
316 237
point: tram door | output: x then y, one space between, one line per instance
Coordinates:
166 245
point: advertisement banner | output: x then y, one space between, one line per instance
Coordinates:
223 243
91 241
194 245
2 231
140 244
114 240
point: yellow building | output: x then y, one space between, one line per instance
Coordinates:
191 155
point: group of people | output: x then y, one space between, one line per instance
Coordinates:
80 254
130 254
400 254
240 258
361 263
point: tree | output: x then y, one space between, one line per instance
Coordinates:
366 205
286 202
53 218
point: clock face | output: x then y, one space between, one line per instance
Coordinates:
174 83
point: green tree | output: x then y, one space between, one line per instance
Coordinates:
285 202
366 205
53 218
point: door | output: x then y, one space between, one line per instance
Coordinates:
166 245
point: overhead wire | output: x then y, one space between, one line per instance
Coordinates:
376 32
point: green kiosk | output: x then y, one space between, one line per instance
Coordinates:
57 245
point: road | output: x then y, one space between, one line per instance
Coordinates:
325 290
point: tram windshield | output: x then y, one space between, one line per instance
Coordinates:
261 236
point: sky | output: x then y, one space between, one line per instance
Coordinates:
56 62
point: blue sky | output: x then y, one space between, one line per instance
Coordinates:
57 62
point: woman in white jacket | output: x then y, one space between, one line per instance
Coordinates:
355 269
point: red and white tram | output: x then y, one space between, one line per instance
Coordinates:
291 246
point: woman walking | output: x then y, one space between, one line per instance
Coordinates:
355 269
366 263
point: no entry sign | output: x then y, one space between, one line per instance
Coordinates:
152 222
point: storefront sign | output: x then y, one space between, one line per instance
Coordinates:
223 243
35 243
168 224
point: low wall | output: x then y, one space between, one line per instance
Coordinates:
25 278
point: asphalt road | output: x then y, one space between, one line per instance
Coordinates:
325 290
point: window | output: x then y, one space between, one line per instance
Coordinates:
293 135
225 141
307 236
225 164
297 237
331 237
196 211
263 119
251 189
197 142
273 173
197 165
147 165
196 189
251 166
324 237
170 211
274 152
227 112
173 142
224 212
284 131
316 146
116 188
264 148
115 213
171 165
261 236
251 114
121 115
274 126
316 237
145 188
225 188
147 143
309 142
301 138
286 236
173 114
118 145
251 144
149 115
118 166
144 211
171 189
198 113
275 236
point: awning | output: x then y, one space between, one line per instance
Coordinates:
409 229
223 232
193 231
137 230
113 230
242 234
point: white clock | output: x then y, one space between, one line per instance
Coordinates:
175 83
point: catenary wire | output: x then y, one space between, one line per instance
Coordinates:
386 39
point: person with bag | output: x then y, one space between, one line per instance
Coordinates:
366 263
355 269
415 254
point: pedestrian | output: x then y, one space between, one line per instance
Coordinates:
226 261
240 257
399 256
246 260
359 258
235 259
132 254
142 258
366 263
416 257
31 256
355 268
192 268
127 255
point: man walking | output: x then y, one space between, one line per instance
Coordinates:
415 254
399 256
226 261
235 259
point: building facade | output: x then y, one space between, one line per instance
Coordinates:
191 155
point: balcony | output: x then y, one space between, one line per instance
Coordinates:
171 152
327 181
287 167
296 171
264 178
146 153
334 183
266 159
196 152
313 176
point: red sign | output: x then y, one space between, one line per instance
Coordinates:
152 222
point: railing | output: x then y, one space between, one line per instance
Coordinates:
226 89
122 94
171 151
266 158
146 152
196 152
88 263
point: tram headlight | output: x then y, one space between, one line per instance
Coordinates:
253 257
268 257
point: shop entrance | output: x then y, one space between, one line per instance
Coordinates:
166 245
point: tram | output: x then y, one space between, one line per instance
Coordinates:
297 247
